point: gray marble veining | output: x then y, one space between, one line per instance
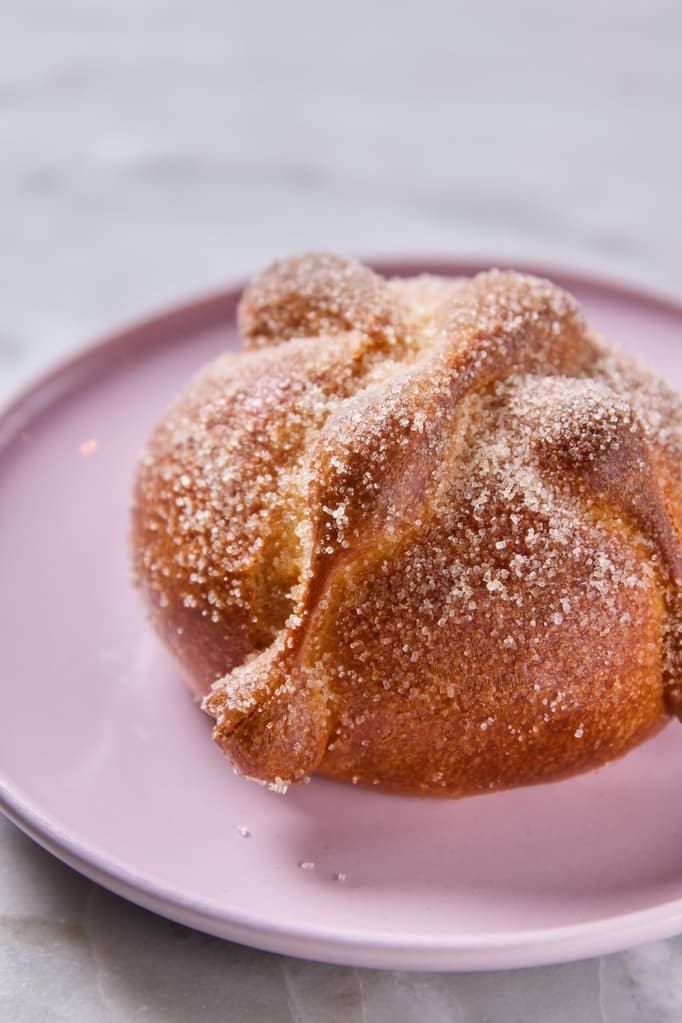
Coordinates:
152 149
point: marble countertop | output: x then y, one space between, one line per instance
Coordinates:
153 149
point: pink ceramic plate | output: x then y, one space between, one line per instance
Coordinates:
109 764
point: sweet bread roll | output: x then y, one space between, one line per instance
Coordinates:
423 534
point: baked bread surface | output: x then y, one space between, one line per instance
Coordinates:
423 534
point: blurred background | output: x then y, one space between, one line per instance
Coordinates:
151 150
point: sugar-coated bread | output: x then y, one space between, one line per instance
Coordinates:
423 534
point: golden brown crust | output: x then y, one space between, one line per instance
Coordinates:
314 294
423 534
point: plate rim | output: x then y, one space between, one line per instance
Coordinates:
378 949
375 949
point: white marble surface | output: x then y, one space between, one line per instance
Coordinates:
151 149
